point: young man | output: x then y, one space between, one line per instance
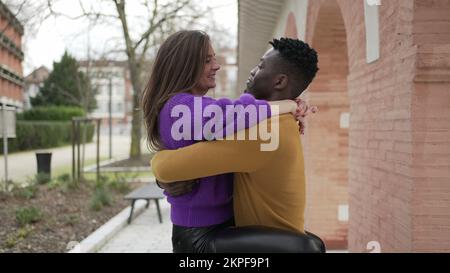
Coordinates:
269 186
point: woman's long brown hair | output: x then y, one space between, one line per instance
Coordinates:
177 68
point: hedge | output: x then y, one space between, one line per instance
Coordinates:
32 135
53 113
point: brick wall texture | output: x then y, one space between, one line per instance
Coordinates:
392 165
8 88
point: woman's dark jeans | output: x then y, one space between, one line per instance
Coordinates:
225 238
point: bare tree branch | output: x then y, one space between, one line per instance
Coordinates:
160 20
92 15
168 15
15 14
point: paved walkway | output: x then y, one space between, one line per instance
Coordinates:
145 234
23 165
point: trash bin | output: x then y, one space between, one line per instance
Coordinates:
44 163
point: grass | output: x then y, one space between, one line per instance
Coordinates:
28 192
119 175
92 176
61 176
26 216
19 235
68 168
102 197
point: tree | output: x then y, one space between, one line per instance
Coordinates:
141 33
66 86
161 17
157 20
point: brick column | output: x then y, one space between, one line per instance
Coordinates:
397 177
326 143
430 128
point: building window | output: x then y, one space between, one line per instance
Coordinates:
344 121
371 16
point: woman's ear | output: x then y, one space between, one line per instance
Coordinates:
281 81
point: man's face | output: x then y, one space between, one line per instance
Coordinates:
261 80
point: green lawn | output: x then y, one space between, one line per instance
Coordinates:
92 176
68 168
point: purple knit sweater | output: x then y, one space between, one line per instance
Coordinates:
210 202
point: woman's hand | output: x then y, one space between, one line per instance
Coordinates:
178 188
302 111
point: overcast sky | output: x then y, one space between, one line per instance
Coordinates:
56 35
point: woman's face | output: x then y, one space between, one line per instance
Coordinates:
208 77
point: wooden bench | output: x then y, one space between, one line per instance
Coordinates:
147 192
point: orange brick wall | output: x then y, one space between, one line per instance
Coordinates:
398 163
380 96
430 126
7 88
10 31
326 144
10 90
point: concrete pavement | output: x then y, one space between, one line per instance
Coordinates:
145 234
23 165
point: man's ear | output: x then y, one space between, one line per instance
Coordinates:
281 81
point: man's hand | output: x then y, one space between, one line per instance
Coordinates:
178 188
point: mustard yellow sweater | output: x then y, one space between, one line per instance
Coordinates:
269 186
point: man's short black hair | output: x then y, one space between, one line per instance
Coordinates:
299 54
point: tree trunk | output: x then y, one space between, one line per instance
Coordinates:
135 74
136 124
135 148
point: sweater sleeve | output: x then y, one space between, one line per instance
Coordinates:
213 119
210 158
